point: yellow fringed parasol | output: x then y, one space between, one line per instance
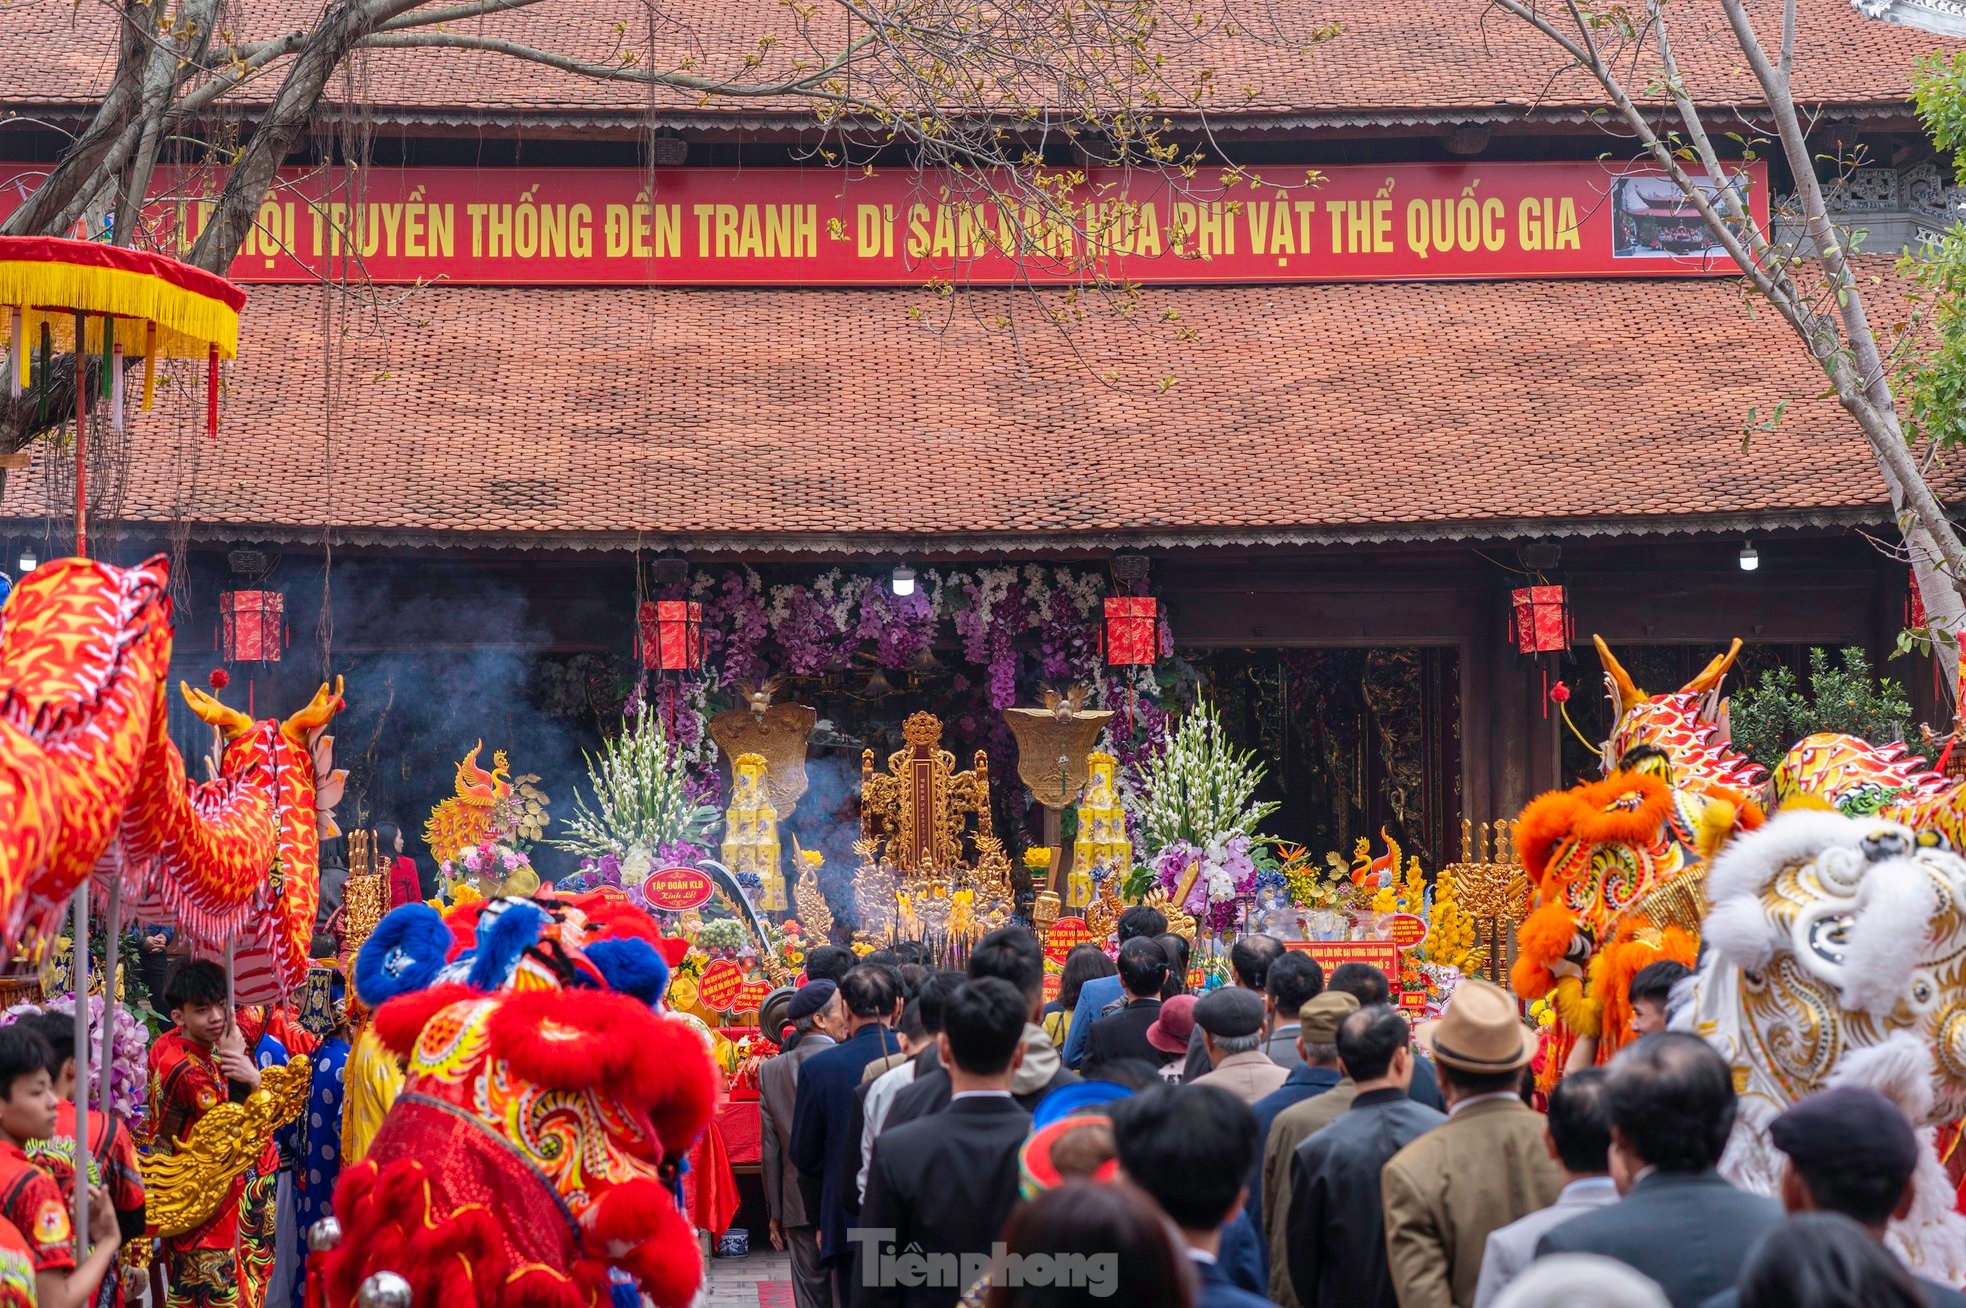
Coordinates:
95 300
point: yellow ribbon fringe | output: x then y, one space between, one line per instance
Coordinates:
187 324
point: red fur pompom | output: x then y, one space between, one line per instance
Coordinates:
218 679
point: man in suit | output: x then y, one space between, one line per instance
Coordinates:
1142 972
1293 981
1232 1028
1189 1149
1579 1138
812 1012
1370 986
825 1145
1250 960
1671 1101
945 1185
1850 1151
1010 954
1317 1071
1488 1165
1096 994
1334 1253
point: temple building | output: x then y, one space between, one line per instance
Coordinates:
609 349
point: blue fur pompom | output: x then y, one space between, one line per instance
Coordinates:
403 955
631 966
503 935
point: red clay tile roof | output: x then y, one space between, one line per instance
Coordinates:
786 419
1417 60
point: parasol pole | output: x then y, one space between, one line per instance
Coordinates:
81 506
78 976
112 927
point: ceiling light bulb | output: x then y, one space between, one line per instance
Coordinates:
28 562
1749 559
904 581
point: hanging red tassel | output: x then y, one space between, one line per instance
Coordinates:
211 393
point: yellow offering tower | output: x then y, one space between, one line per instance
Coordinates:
1101 849
751 831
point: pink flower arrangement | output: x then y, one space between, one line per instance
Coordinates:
129 1068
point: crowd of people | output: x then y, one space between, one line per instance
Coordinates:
933 1138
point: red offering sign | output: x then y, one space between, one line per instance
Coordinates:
1053 983
1382 954
822 226
750 995
1066 934
678 889
719 986
1408 930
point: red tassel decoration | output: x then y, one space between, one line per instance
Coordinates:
211 393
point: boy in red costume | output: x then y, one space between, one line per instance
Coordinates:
29 1197
195 1066
112 1153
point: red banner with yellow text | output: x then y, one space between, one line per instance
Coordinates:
824 227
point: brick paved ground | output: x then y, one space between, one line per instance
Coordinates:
763 1280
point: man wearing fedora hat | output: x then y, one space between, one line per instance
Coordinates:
812 1012
1485 1167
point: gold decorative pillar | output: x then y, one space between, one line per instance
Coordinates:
1493 889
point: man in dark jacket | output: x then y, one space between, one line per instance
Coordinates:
945 1185
1316 1024
1671 1101
1186 1148
825 1147
1142 972
1336 1226
1010 954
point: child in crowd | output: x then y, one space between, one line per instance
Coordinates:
195 1066
112 1153
29 1197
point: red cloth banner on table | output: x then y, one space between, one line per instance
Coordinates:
742 1127
820 226
710 1187
1541 618
1132 634
672 635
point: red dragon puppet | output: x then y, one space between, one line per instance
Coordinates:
89 776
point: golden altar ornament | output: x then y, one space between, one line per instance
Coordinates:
776 733
915 838
813 912
1101 853
751 832
184 1188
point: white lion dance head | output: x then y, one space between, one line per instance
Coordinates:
1834 953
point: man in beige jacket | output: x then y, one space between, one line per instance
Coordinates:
1231 1021
1487 1166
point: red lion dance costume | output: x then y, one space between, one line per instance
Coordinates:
530 1156
87 766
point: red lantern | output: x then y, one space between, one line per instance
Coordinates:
1541 620
1132 630
252 625
672 635
1915 606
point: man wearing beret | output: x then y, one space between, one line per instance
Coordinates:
1850 1151
1231 1023
811 1010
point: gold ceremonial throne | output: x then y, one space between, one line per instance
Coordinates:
916 877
